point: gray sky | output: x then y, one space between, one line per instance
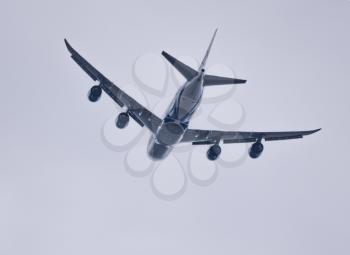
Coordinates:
62 191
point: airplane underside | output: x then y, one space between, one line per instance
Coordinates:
173 129
158 151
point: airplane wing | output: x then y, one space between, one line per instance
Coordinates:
138 112
198 137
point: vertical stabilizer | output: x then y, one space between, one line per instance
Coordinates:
202 66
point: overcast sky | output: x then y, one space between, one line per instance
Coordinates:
64 191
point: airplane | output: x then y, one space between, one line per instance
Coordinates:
174 127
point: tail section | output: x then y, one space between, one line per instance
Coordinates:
204 61
210 80
189 73
185 70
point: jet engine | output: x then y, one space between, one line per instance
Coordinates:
213 152
95 93
256 150
122 120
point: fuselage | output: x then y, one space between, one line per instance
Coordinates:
177 118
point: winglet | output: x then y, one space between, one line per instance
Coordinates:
68 45
313 131
208 51
85 65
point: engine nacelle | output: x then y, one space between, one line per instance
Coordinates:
95 93
256 150
122 120
213 152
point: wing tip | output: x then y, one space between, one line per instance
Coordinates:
165 54
313 131
168 57
240 81
66 42
69 47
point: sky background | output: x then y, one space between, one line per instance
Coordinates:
62 191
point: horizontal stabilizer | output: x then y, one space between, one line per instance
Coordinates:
210 80
185 70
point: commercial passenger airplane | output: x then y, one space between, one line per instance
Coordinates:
173 128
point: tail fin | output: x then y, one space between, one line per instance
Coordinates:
210 80
202 66
189 72
185 70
